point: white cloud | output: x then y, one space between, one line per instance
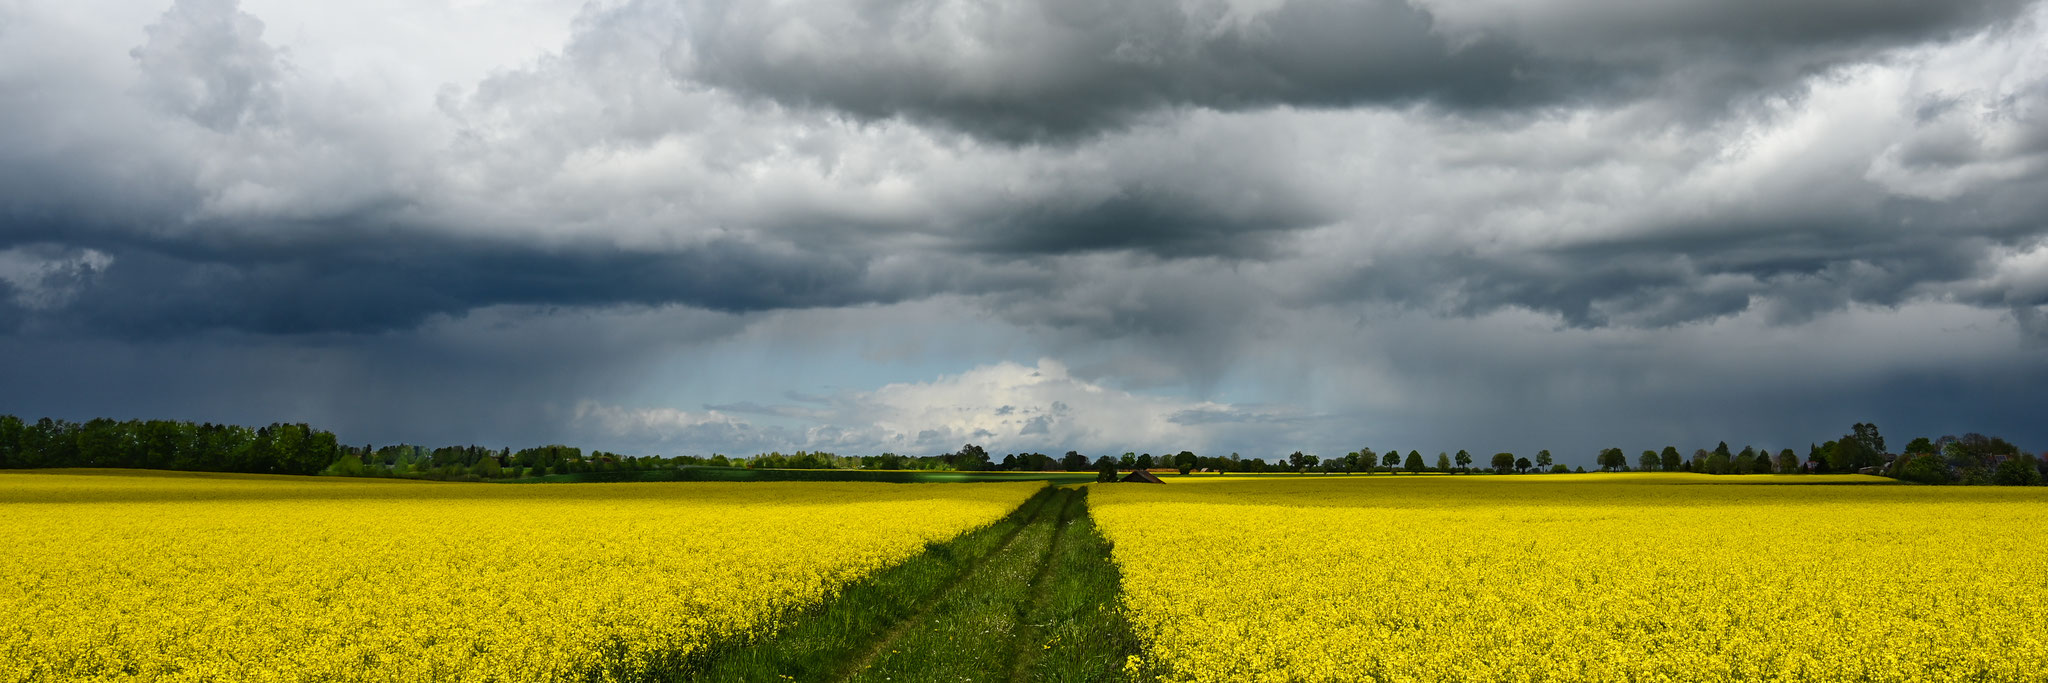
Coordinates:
1003 407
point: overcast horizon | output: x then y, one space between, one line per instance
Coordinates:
695 226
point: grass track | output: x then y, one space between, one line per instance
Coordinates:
1076 629
1030 598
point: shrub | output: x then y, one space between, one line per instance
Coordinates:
1925 469
2017 471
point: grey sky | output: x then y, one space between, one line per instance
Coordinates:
1258 226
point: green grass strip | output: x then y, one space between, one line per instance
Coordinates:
971 632
1077 630
821 643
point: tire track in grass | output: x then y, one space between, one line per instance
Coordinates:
819 643
966 632
1030 639
1080 624
1032 598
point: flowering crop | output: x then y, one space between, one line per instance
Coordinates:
1580 577
230 577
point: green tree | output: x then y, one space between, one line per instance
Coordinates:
1717 463
1865 435
1647 462
1464 461
1074 461
1788 462
1612 459
1848 455
1443 462
1391 460
2018 470
1105 469
12 429
1301 461
1925 469
1522 465
1502 462
1145 461
1543 459
1414 463
1185 461
1670 459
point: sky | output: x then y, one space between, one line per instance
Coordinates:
1251 226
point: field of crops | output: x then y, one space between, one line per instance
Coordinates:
229 577
1585 577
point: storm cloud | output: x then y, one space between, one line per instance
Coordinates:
694 226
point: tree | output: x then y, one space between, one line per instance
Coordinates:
1866 435
1976 452
1464 461
1301 461
1391 460
1745 462
1612 459
1848 455
1763 461
1074 461
1543 459
1670 459
1648 462
2019 470
1366 460
1414 463
1502 462
971 458
1925 469
1185 461
1105 469
1443 462
1717 463
1522 465
1145 461
1788 462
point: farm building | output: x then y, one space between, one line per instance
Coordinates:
1142 477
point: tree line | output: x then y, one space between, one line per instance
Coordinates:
295 448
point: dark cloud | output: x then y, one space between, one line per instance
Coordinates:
1137 219
1253 224
1036 69
1068 67
376 283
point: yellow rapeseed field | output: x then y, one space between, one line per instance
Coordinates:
1615 577
247 578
